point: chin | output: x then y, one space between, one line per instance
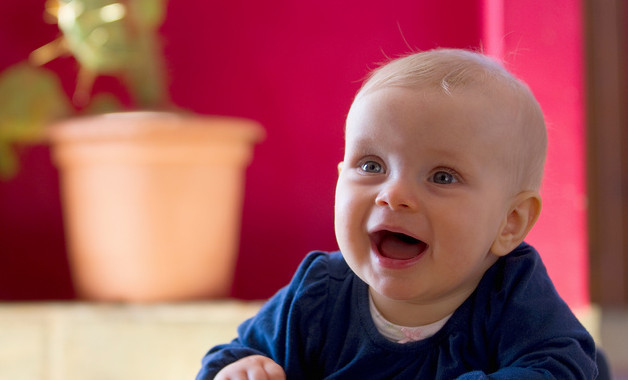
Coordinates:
395 292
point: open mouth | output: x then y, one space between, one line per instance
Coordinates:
397 246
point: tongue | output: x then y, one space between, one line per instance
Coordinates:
399 248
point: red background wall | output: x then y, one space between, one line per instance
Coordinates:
294 66
544 43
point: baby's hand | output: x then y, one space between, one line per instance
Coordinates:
255 367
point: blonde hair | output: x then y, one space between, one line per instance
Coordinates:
453 69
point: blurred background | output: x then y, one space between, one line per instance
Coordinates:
294 67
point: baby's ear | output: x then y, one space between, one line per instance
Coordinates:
524 212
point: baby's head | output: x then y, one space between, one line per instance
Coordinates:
443 162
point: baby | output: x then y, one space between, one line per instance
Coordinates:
437 190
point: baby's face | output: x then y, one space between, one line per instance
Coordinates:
422 192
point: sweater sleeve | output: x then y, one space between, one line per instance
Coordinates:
281 328
537 336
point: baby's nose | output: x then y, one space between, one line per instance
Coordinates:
398 194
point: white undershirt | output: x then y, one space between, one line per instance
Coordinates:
403 334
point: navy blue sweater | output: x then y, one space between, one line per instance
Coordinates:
514 326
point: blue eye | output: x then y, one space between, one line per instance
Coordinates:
371 167
444 178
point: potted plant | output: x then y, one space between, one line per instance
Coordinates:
152 198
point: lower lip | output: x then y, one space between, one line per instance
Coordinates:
389 263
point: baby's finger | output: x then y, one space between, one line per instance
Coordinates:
232 375
269 372
257 373
274 371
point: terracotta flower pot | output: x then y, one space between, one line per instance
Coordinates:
152 203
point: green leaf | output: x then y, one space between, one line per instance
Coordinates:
30 98
148 13
103 103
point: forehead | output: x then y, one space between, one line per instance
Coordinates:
425 114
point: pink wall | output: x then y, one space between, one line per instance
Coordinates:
294 67
544 45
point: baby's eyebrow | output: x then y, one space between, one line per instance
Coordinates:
363 142
364 147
